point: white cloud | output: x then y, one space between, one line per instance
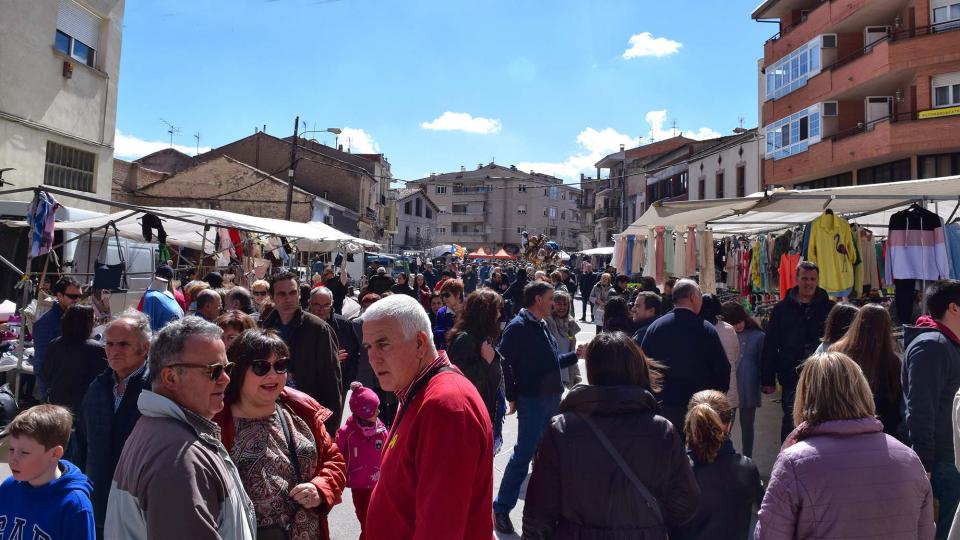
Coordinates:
593 144
644 44
130 147
454 121
358 141
658 132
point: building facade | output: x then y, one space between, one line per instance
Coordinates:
860 92
60 63
586 205
416 218
728 169
492 205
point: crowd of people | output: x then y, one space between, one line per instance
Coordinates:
217 412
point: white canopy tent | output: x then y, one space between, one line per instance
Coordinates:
606 250
870 205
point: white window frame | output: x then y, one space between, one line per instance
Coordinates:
783 136
552 212
441 229
793 70
441 190
950 82
522 209
951 8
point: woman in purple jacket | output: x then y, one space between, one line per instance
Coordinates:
838 475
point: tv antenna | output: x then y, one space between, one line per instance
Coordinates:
172 130
197 137
674 129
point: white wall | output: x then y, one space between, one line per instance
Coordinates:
726 161
38 104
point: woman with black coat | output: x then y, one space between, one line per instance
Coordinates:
402 286
469 346
514 293
577 489
73 359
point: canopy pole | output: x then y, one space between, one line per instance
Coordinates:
203 248
954 213
25 281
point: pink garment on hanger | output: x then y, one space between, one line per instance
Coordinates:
691 262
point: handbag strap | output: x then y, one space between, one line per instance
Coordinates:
123 262
291 450
651 501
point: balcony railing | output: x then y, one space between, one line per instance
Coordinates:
899 35
803 18
863 127
475 189
604 213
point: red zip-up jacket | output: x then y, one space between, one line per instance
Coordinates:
436 475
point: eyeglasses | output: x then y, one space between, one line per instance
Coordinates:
259 293
320 306
446 295
73 296
262 367
213 370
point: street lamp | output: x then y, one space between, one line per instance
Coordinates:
292 171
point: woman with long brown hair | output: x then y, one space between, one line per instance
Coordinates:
470 345
869 342
729 482
750 337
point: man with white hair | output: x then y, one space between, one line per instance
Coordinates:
322 304
436 471
690 348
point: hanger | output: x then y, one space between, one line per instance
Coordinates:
828 211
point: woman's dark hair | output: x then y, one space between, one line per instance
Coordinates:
236 320
649 284
869 342
406 280
77 323
613 359
480 316
711 310
708 415
838 322
254 344
734 313
616 315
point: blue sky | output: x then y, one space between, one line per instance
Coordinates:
549 85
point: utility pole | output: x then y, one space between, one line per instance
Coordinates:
293 168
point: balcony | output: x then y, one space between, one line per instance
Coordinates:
370 215
606 213
881 141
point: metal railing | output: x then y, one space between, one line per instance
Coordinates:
786 30
863 127
899 35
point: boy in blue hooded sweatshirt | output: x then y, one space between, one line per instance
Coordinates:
47 498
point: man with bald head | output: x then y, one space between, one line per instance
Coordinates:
109 408
208 305
690 348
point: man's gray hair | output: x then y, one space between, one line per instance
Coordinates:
684 289
407 312
137 319
171 340
242 296
322 290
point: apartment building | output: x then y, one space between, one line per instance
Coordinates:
416 220
860 91
730 168
492 205
586 205
59 67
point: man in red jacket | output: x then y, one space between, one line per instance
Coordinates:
436 473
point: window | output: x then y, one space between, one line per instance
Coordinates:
522 188
839 180
552 232
741 181
521 209
408 208
793 134
441 189
792 71
69 168
720 185
520 229
946 90
830 108
442 209
459 209
894 171
552 212
419 205
441 230
563 215
702 189
946 14
78 32
939 165
554 192
406 234
428 212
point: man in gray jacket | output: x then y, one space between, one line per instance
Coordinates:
175 479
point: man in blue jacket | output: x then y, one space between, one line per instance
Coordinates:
47 328
931 377
531 374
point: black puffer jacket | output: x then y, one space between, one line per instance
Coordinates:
793 334
577 491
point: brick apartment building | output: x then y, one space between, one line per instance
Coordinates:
492 205
860 91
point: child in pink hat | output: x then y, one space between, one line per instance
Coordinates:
360 441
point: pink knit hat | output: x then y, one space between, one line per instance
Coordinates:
363 401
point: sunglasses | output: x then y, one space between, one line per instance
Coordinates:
213 370
262 367
259 293
73 296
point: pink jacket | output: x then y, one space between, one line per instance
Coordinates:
361 447
846 479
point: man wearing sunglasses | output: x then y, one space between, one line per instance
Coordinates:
47 328
314 364
175 479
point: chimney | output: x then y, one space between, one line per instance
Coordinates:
621 147
132 182
479 166
462 168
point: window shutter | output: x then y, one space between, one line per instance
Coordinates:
945 79
79 23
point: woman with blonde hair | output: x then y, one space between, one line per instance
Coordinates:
838 475
730 485
564 329
869 342
598 298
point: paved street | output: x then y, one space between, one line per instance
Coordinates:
343 521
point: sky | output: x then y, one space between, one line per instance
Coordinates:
548 85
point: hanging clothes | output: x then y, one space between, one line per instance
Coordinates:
619 246
680 258
831 247
788 272
628 256
650 264
708 279
637 263
952 234
659 260
916 246
690 264
42 216
669 252
755 280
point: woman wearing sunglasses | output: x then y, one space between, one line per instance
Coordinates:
451 292
263 424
